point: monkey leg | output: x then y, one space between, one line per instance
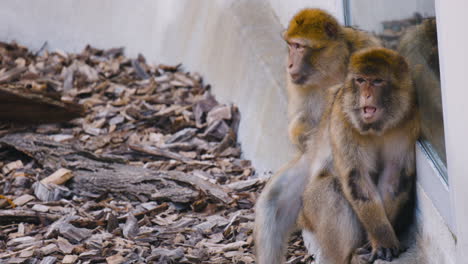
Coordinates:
330 217
366 201
277 210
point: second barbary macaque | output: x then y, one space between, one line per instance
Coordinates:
361 169
357 198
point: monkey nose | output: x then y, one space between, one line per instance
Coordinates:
290 66
295 76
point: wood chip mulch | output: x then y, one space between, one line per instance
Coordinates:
144 166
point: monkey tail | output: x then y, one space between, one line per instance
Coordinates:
277 211
271 232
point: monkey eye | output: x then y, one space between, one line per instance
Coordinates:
360 80
296 46
377 82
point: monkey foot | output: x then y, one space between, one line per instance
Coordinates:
366 254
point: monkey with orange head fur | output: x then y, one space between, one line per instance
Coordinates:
363 172
360 171
318 54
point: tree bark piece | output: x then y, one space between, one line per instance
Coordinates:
205 186
97 175
58 177
155 151
21 106
25 215
12 74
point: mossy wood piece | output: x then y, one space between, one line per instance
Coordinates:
20 105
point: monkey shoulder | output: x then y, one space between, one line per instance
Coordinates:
358 39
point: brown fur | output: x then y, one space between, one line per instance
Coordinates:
374 170
327 48
314 24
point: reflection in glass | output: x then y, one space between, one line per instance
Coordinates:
410 28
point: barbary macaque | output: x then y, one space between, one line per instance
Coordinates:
370 161
420 48
319 49
361 168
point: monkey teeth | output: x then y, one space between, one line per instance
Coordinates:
369 112
369 109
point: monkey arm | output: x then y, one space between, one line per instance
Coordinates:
365 199
399 171
394 188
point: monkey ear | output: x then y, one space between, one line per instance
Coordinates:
331 29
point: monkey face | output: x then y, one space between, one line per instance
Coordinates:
370 90
369 102
310 62
317 50
378 91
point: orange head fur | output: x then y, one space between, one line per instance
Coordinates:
380 61
313 24
393 99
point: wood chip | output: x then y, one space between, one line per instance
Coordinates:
23 199
65 246
146 169
12 74
40 208
115 259
74 234
12 166
59 177
209 188
69 259
48 260
130 229
49 249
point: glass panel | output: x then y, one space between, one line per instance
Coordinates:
410 28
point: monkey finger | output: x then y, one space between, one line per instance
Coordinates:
388 254
366 258
363 251
371 257
381 253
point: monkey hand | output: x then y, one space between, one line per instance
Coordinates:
299 133
368 254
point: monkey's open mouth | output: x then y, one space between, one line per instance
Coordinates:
369 112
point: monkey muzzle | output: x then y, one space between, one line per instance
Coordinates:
297 78
368 113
